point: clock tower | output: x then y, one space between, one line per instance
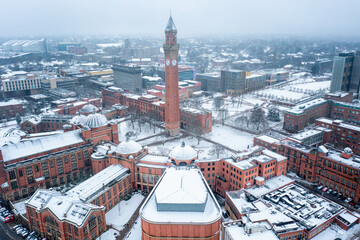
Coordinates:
172 109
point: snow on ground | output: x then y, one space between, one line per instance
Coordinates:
109 235
122 212
125 127
282 93
203 148
230 137
135 232
334 231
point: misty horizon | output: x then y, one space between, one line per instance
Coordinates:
260 18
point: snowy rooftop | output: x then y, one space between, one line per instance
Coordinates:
154 159
338 123
64 208
11 102
233 230
303 135
96 120
301 108
181 196
34 146
90 188
270 185
268 139
183 152
128 147
306 209
353 161
274 155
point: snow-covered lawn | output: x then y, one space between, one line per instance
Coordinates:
230 137
122 212
124 127
203 147
109 235
334 231
282 93
135 232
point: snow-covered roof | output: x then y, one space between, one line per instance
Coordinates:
128 147
79 119
183 152
64 208
181 196
270 185
12 102
39 145
90 188
96 120
88 108
301 108
268 139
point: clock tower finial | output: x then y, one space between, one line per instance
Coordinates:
172 109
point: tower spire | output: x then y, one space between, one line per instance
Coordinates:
170 27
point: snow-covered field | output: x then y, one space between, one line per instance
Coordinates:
122 212
282 93
125 127
135 232
314 86
109 235
230 137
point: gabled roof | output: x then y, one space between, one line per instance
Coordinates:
170 25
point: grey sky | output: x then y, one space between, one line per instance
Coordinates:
339 18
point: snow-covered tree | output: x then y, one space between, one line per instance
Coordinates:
257 117
273 114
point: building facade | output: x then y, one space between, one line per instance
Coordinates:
128 77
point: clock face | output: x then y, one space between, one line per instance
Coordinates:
167 62
174 62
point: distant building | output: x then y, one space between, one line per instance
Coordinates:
254 82
209 81
67 83
10 108
32 46
185 72
233 81
128 77
190 205
149 82
276 77
346 73
21 81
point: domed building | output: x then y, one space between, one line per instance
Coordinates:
96 120
183 155
97 129
79 120
88 109
128 147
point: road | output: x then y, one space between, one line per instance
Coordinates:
6 233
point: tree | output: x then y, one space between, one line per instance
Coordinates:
217 149
257 117
223 114
242 120
196 131
273 114
218 102
18 119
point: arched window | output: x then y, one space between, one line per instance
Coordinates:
182 164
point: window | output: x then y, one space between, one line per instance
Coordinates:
13 185
52 164
21 173
12 175
92 223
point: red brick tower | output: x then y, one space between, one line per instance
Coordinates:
172 110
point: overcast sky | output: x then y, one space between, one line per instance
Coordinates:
322 18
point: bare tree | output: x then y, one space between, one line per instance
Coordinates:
257 117
223 114
217 149
218 102
196 132
242 120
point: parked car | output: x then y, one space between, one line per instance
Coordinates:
329 191
325 189
319 187
348 200
16 226
9 218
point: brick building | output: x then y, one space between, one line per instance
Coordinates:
181 200
333 169
10 108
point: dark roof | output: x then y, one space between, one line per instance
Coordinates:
170 25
